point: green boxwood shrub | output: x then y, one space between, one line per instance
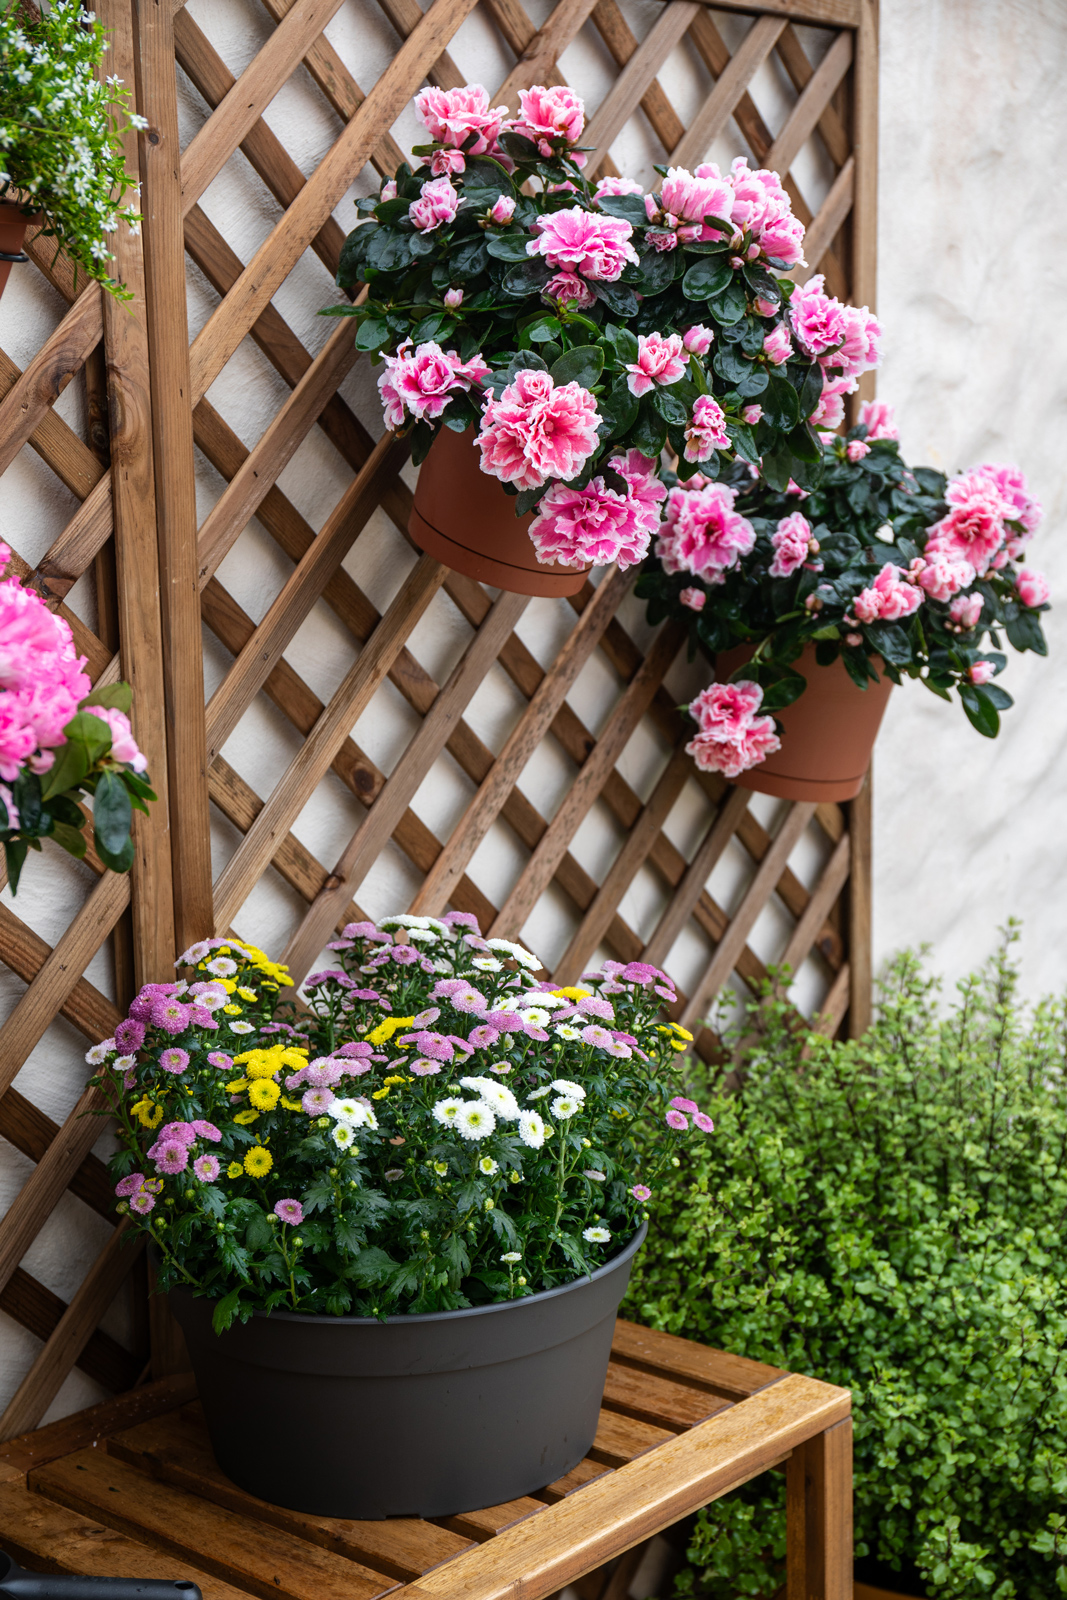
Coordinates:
889 1215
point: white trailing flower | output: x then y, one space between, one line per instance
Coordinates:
565 1086
500 1099
516 951
531 1129
596 1235
474 1120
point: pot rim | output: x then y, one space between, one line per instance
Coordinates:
409 1319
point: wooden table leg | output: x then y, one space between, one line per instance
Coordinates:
819 1517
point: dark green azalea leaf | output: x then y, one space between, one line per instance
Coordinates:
509 247
981 711
631 207
372 334
706 278
583 365
621 301
115 696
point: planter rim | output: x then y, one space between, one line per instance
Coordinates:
407 1320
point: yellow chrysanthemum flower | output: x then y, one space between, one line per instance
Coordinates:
258 1162
379 1094
294 1057
571 993
248 994
264 1094
234 1170
291 1105
229 984
683 1033
238 1086
147 1114
387 1027
246 1116
233 1010
396 1078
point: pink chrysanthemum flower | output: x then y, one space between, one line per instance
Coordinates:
290 1211
170 1156
641 1191
206 1168
174 1060
676 1120
142 1202
130 1185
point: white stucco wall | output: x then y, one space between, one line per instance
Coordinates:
972 245
974 134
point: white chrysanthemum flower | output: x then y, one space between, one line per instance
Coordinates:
594 1176
516 951
531 1129
596 1235
511 1256
222 967
536 1016
441 1168
488 1166
566 1030
501 1067
99 1052
474 1120
538 1094
487 964
551 1002
422 936
343 1135
446 1111
354 1112
430 924
241 1027
565 1086
495 1095
564 1107
194 955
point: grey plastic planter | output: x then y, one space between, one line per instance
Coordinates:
414 1416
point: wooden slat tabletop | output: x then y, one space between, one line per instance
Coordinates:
131 1488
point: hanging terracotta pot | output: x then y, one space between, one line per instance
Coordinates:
13 225
465 518
827 735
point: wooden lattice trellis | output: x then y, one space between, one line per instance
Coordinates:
157 583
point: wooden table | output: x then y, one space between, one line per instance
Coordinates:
131 1489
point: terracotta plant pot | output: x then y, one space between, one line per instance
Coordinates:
467 520
13 225
828 734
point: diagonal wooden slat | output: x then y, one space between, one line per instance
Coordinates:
56 442
718 108
539 58
718 836
831 129
615 110
832 213
63 354
811 104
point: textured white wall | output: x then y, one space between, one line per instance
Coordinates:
972 242
972 117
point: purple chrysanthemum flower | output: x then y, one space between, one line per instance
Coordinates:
171 1015
219 1059
206 1130
142 1201
593 1006
423 1068
174 1060
641 1191
172 1157
129 1035
206 1168
290 1211
316 1100
598 1036
676 1120
129 1186
483 1037
356 1047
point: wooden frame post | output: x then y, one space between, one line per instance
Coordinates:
818 1479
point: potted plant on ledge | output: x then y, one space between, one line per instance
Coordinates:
573 332
408 1217
811 606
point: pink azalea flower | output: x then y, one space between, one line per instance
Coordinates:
698 339
691 197
615 186
444 162
777 346
661 240
583 241
290 1211
537 430
818 319
693 599
732 737
503 209
675 1119
420 382
1032 588
551 117
981 671
452 115
942 577
879 419
438 203
703 534
856 449
206 1168
567 287
751 415
597 525
889 598
761 208
966 610
973 527
388 189
705 432
123 744
1011 486
830 411
453 300
791 540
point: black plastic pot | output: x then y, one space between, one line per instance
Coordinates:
22 1585
414 1416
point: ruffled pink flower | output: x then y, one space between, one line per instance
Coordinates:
420 382
388 189
584 241
830 411
703 534
615 186
693 599
942 577
453 300
751 415
732 737
973 527
1011 486
129 1036
661 240
452 115
691 198
981 671
818 319
762 208
438 203
1032 588
41 680
537 430
591 526
705 432
889 598
552 118
567 286
879 419
778 346
660 360
791 540
856 449
698 339
142 1202
966 610
444 162
123 744
503 209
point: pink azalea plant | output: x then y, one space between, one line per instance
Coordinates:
579 328
59 738
890 570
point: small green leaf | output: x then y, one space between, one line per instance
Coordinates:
706 278
112 813
583 365
113 696
981 712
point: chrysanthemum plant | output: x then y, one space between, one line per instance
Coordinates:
61 131
441 1128
582 329
60 739
895 571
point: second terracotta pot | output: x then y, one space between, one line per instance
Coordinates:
13 225
827 735
466 519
